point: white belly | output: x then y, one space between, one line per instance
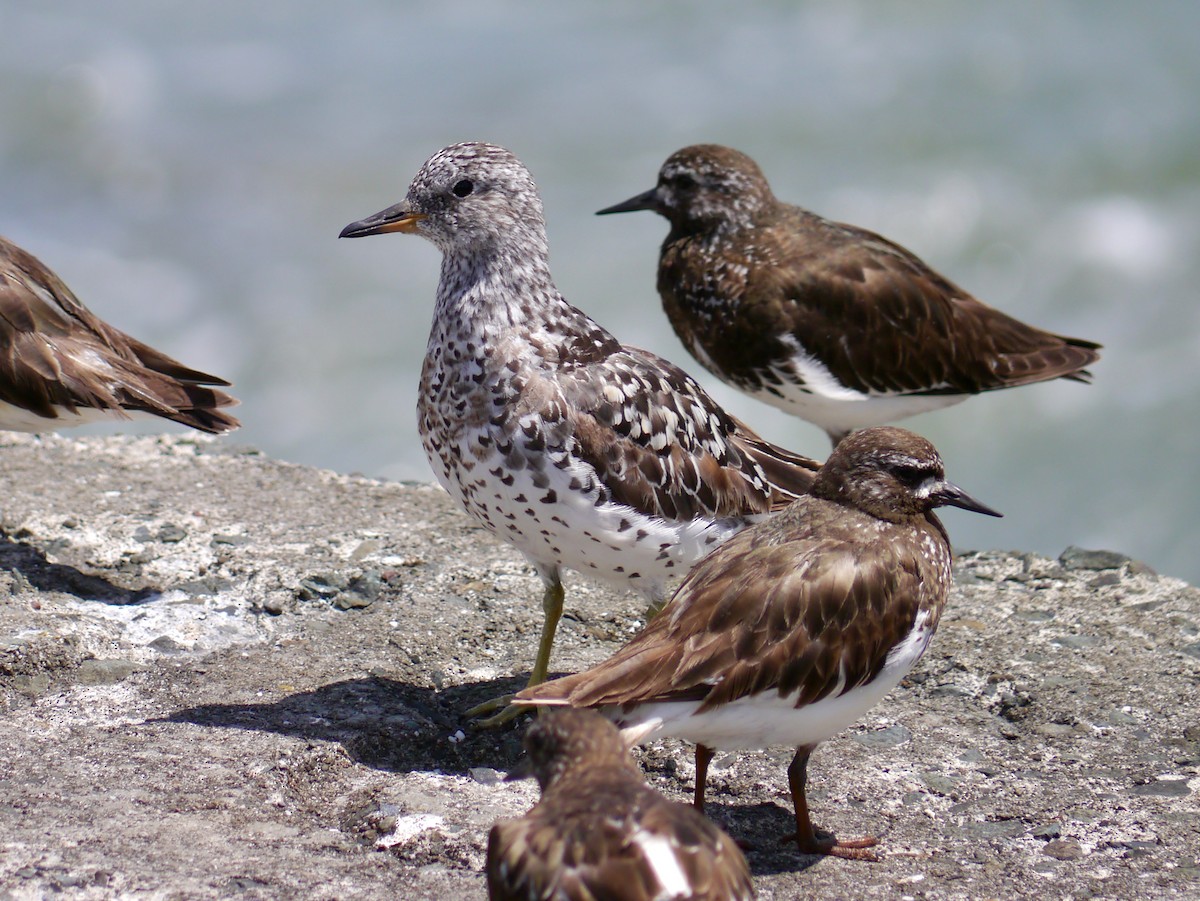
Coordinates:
850 410
768 720
18 419
557 526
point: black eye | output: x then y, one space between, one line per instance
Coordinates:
911 475
684 180
463 188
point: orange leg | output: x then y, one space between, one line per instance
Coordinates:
805 836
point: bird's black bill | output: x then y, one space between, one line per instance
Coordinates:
646 201
950 495
398 218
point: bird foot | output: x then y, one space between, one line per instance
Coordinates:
827 846
508 712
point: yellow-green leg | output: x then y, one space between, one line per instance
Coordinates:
552 608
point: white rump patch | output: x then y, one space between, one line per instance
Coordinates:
809 390
664 863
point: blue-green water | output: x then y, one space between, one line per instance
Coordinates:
187 167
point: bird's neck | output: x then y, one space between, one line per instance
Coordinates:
486 299
495 283
705 230
933 520
614 774
832 486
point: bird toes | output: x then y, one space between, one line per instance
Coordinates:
862 848
508 712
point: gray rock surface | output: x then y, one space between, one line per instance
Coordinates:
222 676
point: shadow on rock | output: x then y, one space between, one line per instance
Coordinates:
30 563
759 830
399 727
382 723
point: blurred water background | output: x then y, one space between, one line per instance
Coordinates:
186 169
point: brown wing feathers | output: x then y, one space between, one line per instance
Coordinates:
55 353
662 446
871 284
582 842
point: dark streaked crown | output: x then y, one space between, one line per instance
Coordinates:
709 183
566 738
890 473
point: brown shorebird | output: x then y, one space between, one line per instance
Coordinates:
793 629
826 321
61 365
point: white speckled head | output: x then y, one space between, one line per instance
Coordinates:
467 198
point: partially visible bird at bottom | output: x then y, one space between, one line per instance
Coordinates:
599 833
61 365
795 627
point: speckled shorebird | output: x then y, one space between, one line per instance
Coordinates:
793 629
827 321
61 365
600 832
580 451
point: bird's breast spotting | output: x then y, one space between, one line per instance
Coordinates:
512 464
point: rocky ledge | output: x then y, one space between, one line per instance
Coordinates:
226 676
